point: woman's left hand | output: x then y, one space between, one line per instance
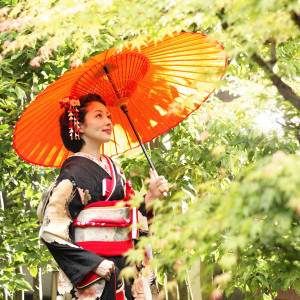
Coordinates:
157 186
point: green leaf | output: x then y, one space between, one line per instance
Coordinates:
23 285
263 281
9 162
33 272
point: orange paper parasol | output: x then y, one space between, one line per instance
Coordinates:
160 85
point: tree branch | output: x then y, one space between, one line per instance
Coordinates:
273 59
295 18
284 89
221 14
273 56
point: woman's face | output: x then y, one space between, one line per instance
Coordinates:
97 125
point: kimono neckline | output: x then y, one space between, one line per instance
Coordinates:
92 158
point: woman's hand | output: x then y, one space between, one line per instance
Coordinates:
157 186
105 269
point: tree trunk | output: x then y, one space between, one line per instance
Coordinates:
171 294
197 280
54 281
2 206
37 286
18 295
284 89
183 291
4 292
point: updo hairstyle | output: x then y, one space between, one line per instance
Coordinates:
76 145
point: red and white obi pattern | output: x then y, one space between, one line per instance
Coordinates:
102 224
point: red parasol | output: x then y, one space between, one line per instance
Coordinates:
160 85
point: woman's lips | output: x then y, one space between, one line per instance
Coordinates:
108 131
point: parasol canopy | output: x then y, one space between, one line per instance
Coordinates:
160 84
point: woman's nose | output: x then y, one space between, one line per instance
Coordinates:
108 121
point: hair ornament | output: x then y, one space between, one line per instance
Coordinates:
71 105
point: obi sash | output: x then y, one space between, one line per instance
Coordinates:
105 228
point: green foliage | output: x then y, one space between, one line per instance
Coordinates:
248 233
260 222
225 163
21 184
217 141
233 200
244 27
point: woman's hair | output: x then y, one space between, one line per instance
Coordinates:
76 145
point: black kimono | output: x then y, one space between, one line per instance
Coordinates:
81 184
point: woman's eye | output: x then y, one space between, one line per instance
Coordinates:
99 115
109 117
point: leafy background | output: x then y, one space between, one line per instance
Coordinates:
233 166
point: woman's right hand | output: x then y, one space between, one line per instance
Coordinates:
105 269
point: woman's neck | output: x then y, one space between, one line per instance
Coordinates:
91 150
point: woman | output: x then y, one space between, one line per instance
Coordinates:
83 229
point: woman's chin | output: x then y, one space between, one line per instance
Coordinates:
107 140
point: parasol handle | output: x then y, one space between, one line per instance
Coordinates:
125 110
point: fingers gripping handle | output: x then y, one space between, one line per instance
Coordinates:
156 176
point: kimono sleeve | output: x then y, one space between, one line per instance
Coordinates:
75 261
129 192
142 209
